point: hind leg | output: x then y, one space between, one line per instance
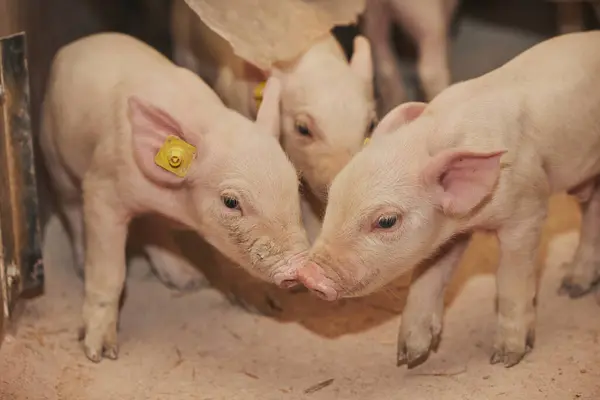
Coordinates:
167 259
428 25
70 211
388 77
584 271
570 16
73 216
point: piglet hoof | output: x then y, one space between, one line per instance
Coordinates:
187 285
411 359
95 355
573 289
271 307
95 350
182 278
511 357
79 272
414 347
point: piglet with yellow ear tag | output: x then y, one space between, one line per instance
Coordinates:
147 137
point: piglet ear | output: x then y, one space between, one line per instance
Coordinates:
268 117
462 179
150 127
401 115
361 62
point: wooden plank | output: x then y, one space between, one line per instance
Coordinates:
20 232
2 317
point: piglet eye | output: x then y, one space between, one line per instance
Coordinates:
230 202
302 129
387 221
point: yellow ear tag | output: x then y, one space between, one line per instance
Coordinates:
258 93
366 141
175 155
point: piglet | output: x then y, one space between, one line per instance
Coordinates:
327 106
485 154
110 105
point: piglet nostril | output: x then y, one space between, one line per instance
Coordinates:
319 294
289 283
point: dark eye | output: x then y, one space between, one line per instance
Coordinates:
231 202
387 221
303 129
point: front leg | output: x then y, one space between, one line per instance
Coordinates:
423 314
516 284
105 266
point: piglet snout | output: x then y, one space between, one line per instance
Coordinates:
287 279
313 277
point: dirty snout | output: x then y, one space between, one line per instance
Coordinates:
285 271
277 258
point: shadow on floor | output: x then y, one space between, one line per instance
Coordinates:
356 315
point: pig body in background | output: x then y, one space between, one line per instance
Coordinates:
485 154
110 104
427 23
327 105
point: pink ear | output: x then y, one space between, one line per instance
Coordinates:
268 115
361 62
150 127
401 115
462 179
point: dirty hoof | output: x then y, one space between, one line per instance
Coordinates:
97 348
269 307
187 286
511 357
411 359
182 280
96 354
414 348
79 272
574 290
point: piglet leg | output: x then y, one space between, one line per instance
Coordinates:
167 259
106 233
388 77
432 64
584 271
570 16
516 283
73 214
423 314
427 23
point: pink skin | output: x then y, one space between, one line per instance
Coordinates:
111 103
485 154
